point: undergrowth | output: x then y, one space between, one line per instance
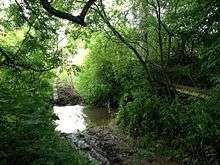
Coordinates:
27 129
188 130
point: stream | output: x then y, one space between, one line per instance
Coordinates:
73 119
88 129
93 131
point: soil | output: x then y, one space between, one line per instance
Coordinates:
108 145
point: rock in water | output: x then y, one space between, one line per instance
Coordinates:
66 95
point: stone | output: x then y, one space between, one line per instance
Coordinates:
66 95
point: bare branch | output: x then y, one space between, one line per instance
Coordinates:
119 36
80 19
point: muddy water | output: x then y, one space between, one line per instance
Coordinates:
78 118
105 145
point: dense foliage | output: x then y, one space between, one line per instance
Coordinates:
162 73
156 60
28 52
185 127
106 72
27 130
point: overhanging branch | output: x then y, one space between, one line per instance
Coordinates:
10 62
80 19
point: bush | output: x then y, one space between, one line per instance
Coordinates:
27 133
106 72
190 129
134 111
184 127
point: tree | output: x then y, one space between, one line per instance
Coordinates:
158 28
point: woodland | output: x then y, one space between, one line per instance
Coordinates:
156 61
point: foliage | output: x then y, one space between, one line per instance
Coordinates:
105 75
190 129
140 52
27 133
178 125
28 53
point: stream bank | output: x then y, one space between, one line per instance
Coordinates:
104 144
93 131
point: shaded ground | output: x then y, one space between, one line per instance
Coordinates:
109 146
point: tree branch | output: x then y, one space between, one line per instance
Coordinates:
119 36
80 19
8 61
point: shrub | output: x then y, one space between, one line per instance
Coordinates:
106 72
27 130
190 129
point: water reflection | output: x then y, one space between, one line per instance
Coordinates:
71 118
98 116
78 118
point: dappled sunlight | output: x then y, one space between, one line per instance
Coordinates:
79 58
